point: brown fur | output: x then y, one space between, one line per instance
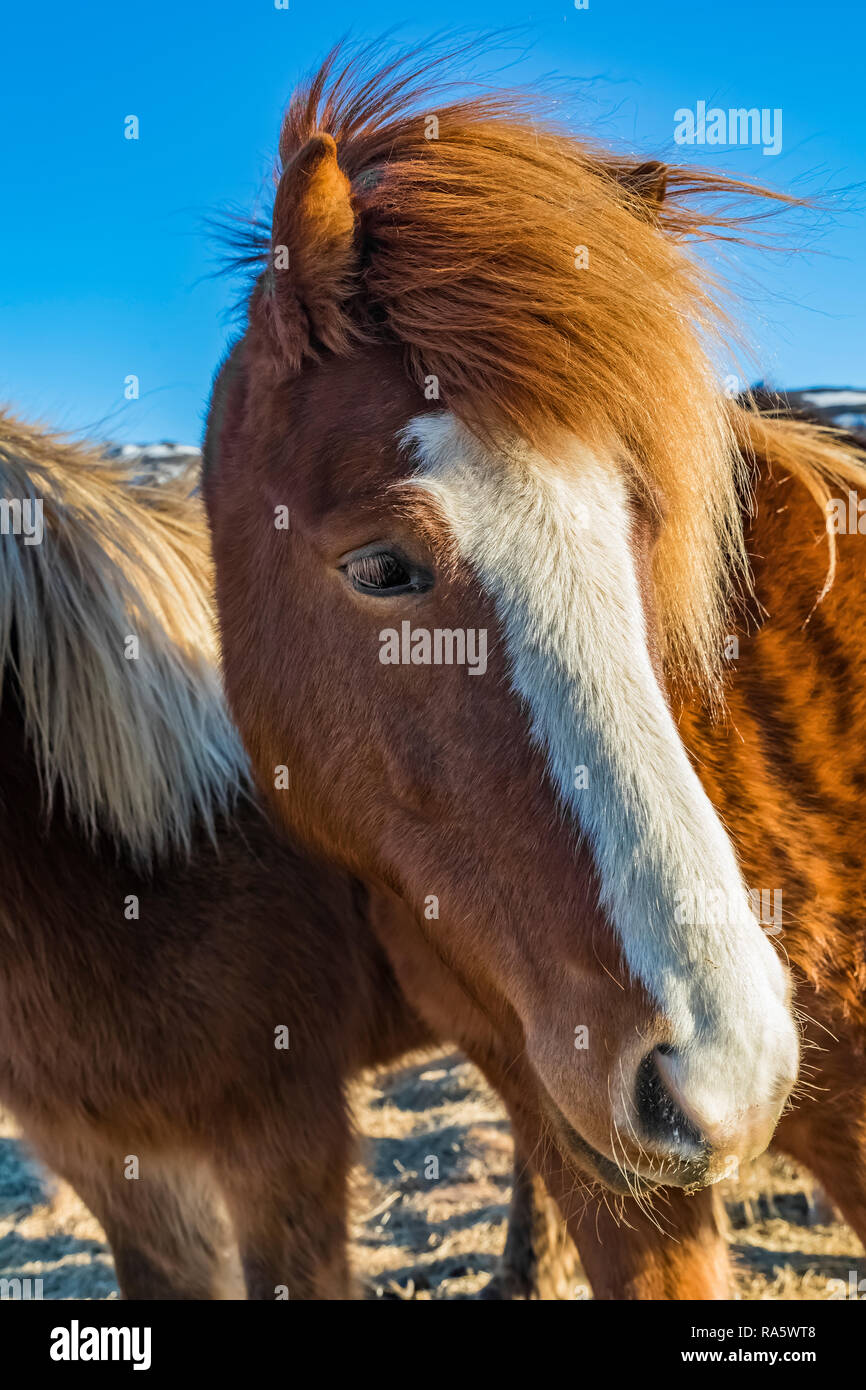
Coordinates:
786 770
154 1037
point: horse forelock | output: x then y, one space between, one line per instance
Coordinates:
106 626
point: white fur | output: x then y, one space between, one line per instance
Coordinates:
551 545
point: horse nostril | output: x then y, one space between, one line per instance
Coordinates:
661 1118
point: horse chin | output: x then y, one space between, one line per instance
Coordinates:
621 1177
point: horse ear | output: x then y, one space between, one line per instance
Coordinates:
649 183
313 255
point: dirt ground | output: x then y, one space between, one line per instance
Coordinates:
416 1235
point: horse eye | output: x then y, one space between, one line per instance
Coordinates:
381 572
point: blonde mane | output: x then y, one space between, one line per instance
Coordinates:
141 748
824 460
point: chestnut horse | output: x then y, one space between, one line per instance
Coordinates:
182 995
477 506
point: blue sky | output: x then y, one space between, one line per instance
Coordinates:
103 258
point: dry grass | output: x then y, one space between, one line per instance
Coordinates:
418 1235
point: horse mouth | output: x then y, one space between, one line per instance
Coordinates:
620 1177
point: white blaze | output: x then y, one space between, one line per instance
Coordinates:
551 546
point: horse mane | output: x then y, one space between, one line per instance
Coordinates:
822 459
141 749
467 246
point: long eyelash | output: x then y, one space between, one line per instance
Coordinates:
379 571
372 570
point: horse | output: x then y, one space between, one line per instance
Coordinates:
482 519
183 994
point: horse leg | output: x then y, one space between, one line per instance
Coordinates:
828 1136
677 1251
627 1256
290 1217
539 1259
164 1231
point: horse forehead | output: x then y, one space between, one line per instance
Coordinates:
340 422
501 502
341 402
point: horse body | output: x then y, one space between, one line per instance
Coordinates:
785 770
